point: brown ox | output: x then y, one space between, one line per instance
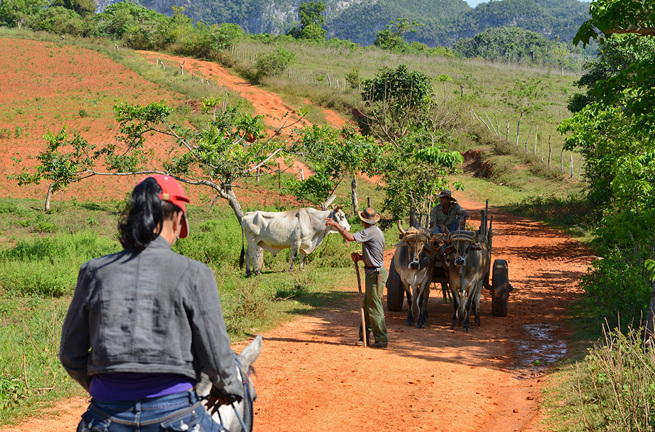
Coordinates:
414 261
468 267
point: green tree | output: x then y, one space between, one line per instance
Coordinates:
311 22
83 7
632 87
59 20
615 132
524 99
13 13
333 155
392 37
396 101
230 147
414 161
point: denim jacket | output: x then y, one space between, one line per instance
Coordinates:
149 312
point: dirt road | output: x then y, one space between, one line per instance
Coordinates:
312 376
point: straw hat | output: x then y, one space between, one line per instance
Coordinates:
369 215
446 193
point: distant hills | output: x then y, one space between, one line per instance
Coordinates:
443 22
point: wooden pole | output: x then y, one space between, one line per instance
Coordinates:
279 176
550 152
361 306
571 165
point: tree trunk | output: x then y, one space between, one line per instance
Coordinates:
412 213
234 202
518 126
353 188
48 197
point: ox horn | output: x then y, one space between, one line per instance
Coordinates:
400 229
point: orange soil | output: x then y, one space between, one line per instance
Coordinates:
311 376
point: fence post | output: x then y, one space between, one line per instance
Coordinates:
279 176
550 151
561 161
571 164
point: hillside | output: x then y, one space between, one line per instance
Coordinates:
442 22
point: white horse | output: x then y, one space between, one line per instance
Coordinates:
237 417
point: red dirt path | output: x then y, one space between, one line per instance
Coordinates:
312 377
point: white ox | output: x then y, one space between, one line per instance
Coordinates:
302 230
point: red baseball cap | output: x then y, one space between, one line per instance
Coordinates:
172 192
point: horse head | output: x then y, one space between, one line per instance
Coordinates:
239 416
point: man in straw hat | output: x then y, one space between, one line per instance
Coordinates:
447 215
372 240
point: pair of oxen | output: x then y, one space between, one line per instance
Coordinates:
466 256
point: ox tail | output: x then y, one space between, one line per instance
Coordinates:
243 252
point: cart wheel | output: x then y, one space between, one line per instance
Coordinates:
395 291
499 289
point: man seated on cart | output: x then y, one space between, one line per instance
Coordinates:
448 215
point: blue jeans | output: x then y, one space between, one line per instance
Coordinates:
452 227
177 412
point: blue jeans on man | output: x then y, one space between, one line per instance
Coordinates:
453 227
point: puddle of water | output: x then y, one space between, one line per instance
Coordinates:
541 348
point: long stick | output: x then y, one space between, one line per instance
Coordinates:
361 302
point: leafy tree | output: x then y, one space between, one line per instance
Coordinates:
333 155
414 159
13 13
59 20
396 101
120 19
615 133
414 169
311 21
83 7
632 87
230 147
524 99
204 41
614 56
392 37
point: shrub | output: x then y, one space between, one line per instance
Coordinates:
616 387
273 63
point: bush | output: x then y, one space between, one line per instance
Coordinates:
616 386
59 20
273 63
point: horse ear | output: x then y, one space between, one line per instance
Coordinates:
250 353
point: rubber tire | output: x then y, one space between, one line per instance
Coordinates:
395 291
499 288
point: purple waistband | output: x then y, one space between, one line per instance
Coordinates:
134 386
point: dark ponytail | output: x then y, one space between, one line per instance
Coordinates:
143 217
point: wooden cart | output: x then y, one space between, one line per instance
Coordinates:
499 286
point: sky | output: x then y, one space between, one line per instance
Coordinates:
474 3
